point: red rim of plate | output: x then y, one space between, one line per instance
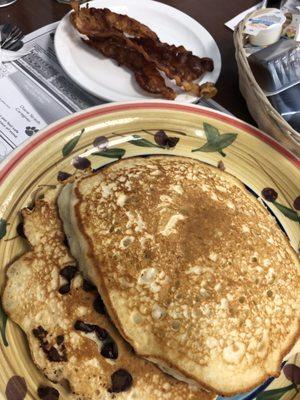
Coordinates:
19 155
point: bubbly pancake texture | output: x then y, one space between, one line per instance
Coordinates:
70 336
194 271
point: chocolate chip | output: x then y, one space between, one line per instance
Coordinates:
121 380
60 339
87 286
62 176
99 305
64 289
68 272
39 332
83 327
110 349
101 333
53 354
48 393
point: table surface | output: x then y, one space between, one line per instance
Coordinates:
212 14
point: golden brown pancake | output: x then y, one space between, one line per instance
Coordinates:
70 336
193 270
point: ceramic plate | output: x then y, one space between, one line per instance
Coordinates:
130 129
103 78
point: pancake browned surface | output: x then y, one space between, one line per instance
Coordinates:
68 338
194 271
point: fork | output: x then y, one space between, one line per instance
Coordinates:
12 38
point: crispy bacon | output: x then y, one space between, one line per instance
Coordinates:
177 60
123 32
145 72
96 21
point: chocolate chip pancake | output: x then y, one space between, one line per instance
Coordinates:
64 318
193 270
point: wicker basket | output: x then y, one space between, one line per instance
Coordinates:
266 117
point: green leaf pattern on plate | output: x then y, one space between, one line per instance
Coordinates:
275 394
3 321
215 140
269 194
288 212
3 226
141 142
113 152
70 146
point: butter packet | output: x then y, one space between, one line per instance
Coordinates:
263 20
265 26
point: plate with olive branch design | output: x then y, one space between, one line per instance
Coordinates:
105 134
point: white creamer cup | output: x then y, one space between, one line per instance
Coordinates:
264 35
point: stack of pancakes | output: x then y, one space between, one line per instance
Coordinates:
175 283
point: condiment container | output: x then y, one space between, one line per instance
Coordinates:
265 26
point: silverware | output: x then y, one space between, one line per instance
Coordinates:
11 37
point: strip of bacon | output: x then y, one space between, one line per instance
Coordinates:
96 21
145 72
176 62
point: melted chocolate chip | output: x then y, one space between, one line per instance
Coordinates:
99 305
110 349
60 339
121 380
64 289
68 272
48 393
53 355
101 333
87 286
40 333
62 176
83 327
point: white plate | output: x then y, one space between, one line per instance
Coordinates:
103 78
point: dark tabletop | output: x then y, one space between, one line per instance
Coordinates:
212 14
